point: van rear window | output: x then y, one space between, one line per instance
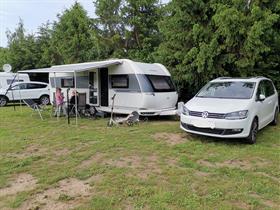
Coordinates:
161 83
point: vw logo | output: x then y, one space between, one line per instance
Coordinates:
204 114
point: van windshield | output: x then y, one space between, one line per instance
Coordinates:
228 90
161 83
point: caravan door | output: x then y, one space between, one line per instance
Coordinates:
104 89
93 88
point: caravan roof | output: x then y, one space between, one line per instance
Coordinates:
136 67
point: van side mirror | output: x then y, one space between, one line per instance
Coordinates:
261 97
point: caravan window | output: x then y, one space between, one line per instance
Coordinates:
67 82
119 81
161 83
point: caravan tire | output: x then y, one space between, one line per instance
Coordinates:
44 100
3 101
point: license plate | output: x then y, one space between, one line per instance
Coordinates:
203 123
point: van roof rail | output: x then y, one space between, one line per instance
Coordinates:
257 77
224 78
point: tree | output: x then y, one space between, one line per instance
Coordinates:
45 47
204 39
72 38
3 56
127 28
22 53
109 28
142 35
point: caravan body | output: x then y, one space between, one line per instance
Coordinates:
7 78
142 87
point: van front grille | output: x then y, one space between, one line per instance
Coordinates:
210 115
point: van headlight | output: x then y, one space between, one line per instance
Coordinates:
185 111
237 115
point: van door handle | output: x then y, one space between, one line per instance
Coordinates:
269 102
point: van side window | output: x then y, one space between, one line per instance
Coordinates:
269 88
261 89
119 81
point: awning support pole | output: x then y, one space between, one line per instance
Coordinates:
54 100
76 104
19 94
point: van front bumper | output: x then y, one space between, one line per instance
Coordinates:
220 128
162 112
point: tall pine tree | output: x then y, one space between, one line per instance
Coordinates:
72 38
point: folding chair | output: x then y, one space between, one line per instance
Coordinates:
82 103
34 106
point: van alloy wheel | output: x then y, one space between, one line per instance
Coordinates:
252 138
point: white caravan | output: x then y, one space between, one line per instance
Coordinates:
142 87
6 78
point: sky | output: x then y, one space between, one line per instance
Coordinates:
34 13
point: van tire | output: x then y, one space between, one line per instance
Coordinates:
252 138
44 100
3 101
275 119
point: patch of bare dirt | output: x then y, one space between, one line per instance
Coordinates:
31 150
242 164
128 205
123 162
35 149
66 195
265 202
96 158
94 179
62 152
268 176
84 127
202 174
206 163
143 168
240 205
23 182
171 138
172 162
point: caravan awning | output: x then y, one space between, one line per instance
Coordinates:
71 68
43 70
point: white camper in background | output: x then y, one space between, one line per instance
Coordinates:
6 78
142 87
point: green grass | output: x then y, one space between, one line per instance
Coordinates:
127 168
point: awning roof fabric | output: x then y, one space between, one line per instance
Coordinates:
71 68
